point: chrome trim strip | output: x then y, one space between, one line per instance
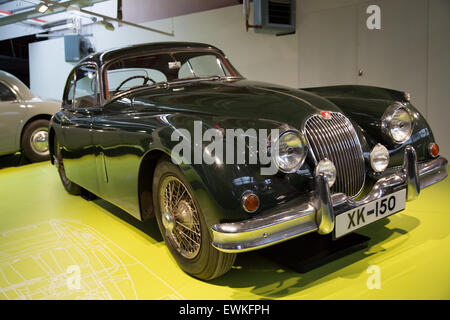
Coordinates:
316 210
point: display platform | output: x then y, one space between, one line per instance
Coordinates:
50 239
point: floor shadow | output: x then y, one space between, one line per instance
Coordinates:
270 280
13 160
149 227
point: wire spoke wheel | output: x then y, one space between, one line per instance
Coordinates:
180 217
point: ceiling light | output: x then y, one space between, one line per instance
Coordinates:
108 25
43 8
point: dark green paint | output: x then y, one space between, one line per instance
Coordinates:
104 147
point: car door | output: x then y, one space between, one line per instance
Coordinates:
120 132
11 115
119 152
80 106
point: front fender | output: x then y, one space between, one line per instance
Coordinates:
219 186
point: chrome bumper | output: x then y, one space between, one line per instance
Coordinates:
317 210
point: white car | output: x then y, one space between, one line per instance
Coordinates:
24 119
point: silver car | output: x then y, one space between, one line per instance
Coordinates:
24 119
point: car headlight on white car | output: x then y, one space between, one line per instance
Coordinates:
397 123
289 151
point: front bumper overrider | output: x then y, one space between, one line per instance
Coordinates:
317 210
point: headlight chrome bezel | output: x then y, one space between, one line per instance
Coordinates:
386 121
304 150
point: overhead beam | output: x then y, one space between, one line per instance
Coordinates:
57 8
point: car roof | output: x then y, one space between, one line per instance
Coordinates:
16 85
102 57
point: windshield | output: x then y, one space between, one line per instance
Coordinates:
158 68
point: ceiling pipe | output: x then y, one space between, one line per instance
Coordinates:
33 14
60 35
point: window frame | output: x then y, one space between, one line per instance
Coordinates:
73 76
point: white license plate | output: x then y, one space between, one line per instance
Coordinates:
366 214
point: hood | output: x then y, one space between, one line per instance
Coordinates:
235 99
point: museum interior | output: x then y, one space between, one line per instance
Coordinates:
314 140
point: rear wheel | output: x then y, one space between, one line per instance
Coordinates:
34 143
183 226
70 186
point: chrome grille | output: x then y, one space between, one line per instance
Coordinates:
336 140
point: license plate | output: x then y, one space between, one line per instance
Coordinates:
366 214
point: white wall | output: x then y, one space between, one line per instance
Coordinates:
438 93
48 68
410 53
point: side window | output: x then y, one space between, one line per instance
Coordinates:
85 93
6 94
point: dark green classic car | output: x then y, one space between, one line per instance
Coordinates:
227 165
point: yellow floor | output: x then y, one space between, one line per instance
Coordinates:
48 237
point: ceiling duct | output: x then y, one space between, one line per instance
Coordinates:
56 23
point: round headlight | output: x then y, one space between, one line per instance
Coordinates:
379 158
398 124
289 151
327 168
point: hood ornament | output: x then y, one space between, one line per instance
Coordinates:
326 114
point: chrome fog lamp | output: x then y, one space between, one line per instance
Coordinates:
397 123
289 151
379 158
327 168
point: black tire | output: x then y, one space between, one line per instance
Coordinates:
70 186
208 263
35 131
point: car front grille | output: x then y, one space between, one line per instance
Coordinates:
336 140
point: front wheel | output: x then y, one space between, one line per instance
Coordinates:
183 226
34 143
